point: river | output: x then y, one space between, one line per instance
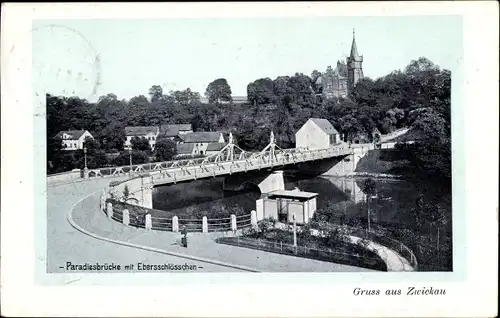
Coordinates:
390 207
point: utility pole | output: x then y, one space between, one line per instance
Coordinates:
294 232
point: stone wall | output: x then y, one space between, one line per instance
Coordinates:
65 176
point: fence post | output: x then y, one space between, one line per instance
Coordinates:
253 219
204 225
175 224
233 222
147 223
281 246
110 210
103 200
126 217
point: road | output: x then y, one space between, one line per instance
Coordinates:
66 244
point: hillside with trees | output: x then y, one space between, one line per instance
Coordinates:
418 97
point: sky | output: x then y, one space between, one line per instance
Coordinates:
180 53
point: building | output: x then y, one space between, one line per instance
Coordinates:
214 148
185 150
73 139
287 206
173 131
201 140
339 82
317 133
235 100
150 133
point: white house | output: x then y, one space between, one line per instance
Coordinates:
317 133
73 139
150 133
214 148
201 140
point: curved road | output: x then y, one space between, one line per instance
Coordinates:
66 244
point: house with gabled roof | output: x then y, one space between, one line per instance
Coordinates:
150 133
317 133
174 130
185 150
73 139
201 140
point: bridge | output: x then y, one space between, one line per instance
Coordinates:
230 160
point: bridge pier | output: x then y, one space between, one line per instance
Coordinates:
273 182
347 165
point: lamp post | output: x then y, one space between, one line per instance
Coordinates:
85 157
85 169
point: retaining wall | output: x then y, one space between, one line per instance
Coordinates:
65 176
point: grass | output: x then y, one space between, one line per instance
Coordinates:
341 252
384 161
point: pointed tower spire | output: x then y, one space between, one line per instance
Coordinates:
354 49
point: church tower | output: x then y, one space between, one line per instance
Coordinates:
354 66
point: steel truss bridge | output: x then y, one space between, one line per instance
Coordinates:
230 159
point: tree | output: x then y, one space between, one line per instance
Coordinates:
54 154
126 193
218 91
165 149
315 75
432 153
91 145
140 144
185 97
261 92
155 93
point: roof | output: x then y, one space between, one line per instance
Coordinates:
215 146
140 130
183 149
173 129
74 134
339 71
354 49
324 125
201 136
293 194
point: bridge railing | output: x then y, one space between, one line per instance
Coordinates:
248 159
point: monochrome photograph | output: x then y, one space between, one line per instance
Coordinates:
238 154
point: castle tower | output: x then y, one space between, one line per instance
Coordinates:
354 66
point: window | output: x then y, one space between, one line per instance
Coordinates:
333 139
